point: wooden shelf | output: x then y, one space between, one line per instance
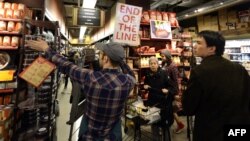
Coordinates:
9 19
144 24
146 54
157 40
10 33
145 39
235 32
234 53
44 24
133 58
6 90
8 48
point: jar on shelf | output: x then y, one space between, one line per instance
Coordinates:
10 26
3 26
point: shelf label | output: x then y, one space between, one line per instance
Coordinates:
127 24
37 72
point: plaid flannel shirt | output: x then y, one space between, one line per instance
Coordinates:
106 92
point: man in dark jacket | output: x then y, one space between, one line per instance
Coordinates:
218 91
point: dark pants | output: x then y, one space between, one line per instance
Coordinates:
116 131
66 81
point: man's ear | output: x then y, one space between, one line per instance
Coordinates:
106 59
212 50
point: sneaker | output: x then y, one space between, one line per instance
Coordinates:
180 128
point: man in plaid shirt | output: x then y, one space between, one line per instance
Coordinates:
106 90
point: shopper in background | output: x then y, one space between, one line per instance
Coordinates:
218 91
170 67
106 91
70 57
160 95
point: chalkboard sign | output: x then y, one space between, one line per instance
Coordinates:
88 17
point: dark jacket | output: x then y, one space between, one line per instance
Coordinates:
217 94
157 81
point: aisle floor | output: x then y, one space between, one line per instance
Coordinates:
63 129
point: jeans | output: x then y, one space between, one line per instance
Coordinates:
116 131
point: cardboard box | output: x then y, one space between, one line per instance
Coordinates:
207 20
214 20
232 14
222 28
215 28
242 25
200 20
222 12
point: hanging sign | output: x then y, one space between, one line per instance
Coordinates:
160 29
127 24
88 17
37 71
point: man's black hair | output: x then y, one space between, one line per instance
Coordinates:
214 38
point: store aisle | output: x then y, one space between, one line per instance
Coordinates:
63 129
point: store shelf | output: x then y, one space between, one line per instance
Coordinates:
8 48
154 39
9 19
146 54
233 47
133 58
10 33
6 91
245 53
235 33
236 60
234 53
144 24
145 39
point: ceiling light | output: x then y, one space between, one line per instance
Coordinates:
199 10
82 32
186 15
89 3
221 3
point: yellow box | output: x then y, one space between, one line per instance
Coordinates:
6 75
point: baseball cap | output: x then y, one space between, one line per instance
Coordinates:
114 51
166 53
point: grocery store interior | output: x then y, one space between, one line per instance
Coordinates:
36 102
